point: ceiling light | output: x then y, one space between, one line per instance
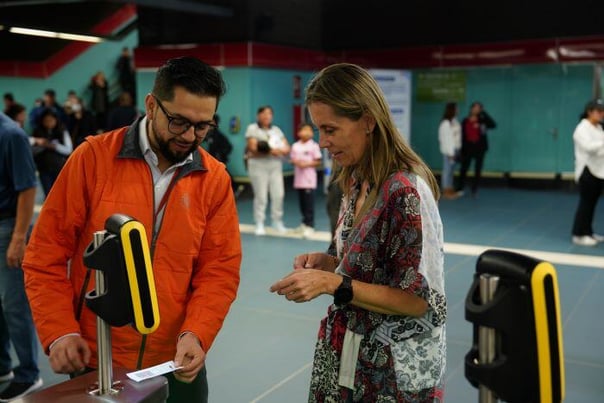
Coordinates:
52 34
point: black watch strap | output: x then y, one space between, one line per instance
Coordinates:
343 294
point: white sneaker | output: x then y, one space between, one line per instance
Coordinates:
598 237
300 229
260 229
308 231
279 227
584 240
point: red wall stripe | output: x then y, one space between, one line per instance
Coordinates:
47 67
555 50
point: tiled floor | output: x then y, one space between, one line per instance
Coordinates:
264 352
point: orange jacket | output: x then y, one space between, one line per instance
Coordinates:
196 253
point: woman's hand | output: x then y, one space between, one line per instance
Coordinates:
41 141
316 260
306 284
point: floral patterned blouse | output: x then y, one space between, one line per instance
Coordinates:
399 243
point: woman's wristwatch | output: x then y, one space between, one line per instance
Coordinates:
343 294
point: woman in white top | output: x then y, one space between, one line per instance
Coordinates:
266 147
449 137
589 171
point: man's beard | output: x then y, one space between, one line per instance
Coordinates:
166 152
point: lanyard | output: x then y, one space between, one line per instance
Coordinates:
164 199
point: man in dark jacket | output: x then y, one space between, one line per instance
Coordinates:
218 144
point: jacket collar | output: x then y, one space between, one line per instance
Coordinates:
131 149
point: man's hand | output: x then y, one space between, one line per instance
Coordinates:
69 354
190 356
15 252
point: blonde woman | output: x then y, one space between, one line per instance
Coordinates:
384 335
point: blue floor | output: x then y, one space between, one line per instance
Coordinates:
265 349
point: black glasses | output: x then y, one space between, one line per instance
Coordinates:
178 125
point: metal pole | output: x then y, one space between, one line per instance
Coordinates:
103 331
487 338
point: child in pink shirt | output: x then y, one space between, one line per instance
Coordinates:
306 157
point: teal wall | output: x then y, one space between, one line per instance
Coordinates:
74 76
536 108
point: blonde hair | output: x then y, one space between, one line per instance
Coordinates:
353 93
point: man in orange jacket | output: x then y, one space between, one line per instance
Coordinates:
156 172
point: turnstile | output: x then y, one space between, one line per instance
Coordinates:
517 351
124 294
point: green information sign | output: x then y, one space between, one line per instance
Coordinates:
441 86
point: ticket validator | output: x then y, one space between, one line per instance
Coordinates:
124 294
517 349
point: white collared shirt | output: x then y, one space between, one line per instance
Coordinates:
161 180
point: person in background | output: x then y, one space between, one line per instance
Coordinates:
9 100
49 101
17 113
156 172
218 145
81 122
126 72
99 99
266 147
383 339
124 114
72 99
589 172
449 138
51 147
333 201
474 145
306 157
17 198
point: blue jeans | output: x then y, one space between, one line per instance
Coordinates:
16 324
446 177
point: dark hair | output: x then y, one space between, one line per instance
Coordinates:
50 92
47 112
9 96
190 73
14 110
450 111
303 125
263 108
216 119
56 132
590 106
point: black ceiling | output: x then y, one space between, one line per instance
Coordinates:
315 24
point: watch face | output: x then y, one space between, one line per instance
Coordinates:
343 296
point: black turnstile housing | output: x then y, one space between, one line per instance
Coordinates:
525 313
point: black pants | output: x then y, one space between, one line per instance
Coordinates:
194 392
334 198
590 189
307 206
471 152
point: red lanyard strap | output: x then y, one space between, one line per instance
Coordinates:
164 199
